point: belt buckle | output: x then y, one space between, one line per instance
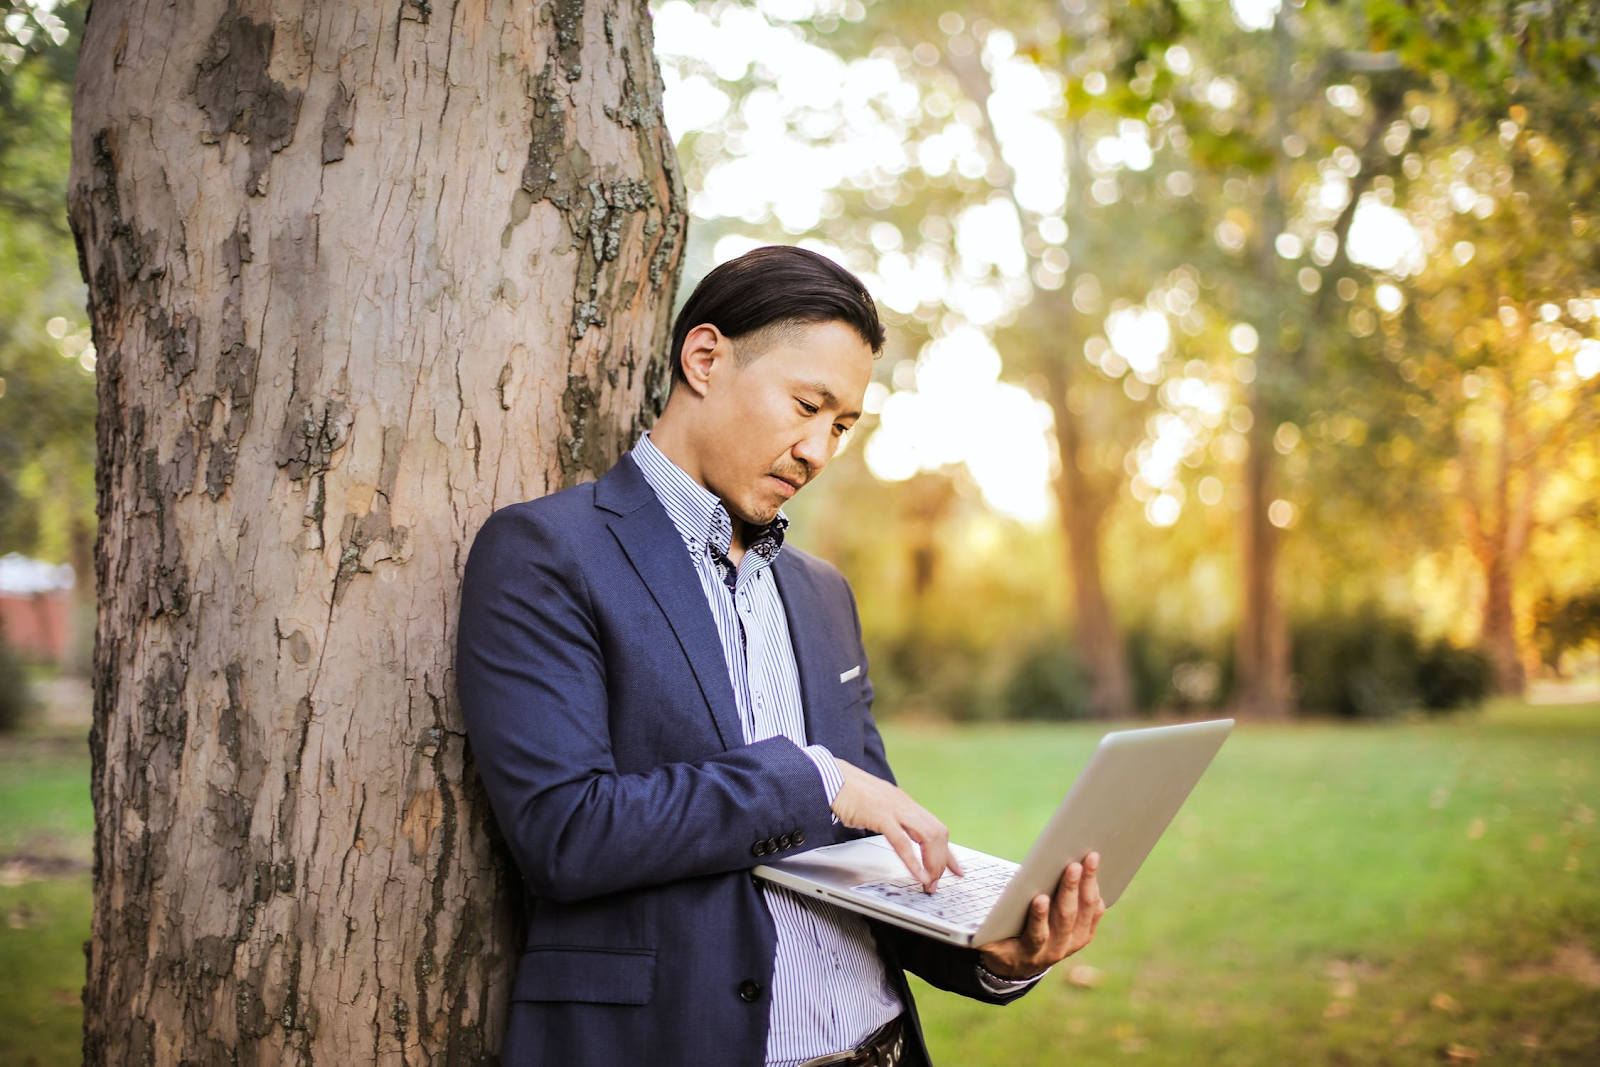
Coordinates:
890 1054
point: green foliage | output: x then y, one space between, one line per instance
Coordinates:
47 388
1047 682
1450 677
1177 674
1566 625
1359 666
17 700
1370 664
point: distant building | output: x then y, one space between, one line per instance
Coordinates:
36 606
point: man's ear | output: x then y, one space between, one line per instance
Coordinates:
703 346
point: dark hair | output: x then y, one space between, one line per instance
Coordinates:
776 286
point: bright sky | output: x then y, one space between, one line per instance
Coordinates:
816 123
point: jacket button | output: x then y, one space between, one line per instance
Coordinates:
772 844
749 990
758 849
798 837
783 840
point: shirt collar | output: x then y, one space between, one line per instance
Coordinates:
700 517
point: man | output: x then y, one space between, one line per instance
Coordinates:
660 694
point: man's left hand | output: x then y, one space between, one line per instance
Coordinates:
1055 928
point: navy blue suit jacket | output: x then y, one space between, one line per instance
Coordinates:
601 717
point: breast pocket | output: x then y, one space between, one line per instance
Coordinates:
852 687
589 975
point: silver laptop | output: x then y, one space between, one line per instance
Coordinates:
1119 806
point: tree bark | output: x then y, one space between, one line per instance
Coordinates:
358 275
1497 527
1083 507
1261 649
1262 646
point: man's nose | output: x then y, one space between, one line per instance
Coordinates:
812 450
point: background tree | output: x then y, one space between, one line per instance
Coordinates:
357 276
46 361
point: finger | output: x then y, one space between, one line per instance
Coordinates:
1089 900
907 851
1094 923
1036 932
1065 910
935 849
955 865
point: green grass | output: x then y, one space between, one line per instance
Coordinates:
44 813
1316 896
1319 891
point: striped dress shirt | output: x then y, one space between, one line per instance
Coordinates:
829 986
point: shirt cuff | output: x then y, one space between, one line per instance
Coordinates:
1002 987
832 780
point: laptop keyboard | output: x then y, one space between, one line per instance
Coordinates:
962 901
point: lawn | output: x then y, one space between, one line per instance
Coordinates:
1331 894
1420 892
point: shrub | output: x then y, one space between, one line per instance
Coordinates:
1360 665
1449 677
929 674
17 700
1369 664
1046 682
1565 625
1176 674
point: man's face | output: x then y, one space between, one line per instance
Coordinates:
768 428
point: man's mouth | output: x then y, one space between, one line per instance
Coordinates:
793 486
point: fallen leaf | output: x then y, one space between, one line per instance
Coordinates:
1444 1002
1476 829
1344 988
1084 976
1461 1054
1336 1009
1573 961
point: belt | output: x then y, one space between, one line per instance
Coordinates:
884 1047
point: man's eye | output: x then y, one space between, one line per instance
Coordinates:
809 409
840 429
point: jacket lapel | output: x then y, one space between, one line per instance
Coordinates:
645 531
804 609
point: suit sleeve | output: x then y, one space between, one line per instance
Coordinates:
531 675
953 968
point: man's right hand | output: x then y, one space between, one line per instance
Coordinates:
867 802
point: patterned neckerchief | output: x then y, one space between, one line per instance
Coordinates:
700 517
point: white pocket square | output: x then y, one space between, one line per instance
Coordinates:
851 673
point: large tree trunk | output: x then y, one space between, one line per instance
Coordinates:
1261 649
1262 687
1083 505
1497 525
358 274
